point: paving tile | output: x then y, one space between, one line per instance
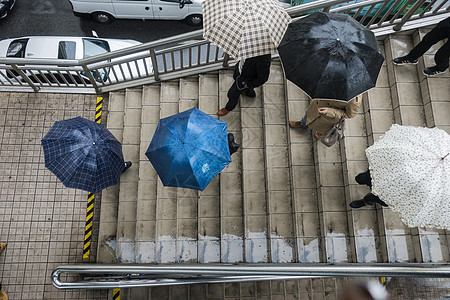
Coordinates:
333 199
273 93
278 179
279 201
255 203
412 115
253 159
150 95
277 157
302 155
275 114
252 117
381 120
303 177
406 94
252 137
276 135
208 85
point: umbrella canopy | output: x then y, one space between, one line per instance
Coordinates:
245 28
330 56
410 170
83 154
189 149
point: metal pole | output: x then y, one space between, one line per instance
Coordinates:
197 273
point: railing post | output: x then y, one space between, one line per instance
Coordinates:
226 58
25 77
408 15
154 64
91 78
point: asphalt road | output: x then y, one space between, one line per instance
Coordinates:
55 17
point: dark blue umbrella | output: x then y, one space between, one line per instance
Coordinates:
189 149
83 154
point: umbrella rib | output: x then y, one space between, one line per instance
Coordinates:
67 153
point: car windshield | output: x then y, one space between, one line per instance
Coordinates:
93 47
17 48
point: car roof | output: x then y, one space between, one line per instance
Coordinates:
47 47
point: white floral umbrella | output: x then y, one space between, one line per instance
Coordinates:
410 170
245 28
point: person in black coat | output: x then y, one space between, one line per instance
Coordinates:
248 74
440 32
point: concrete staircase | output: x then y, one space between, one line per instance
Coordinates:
284 197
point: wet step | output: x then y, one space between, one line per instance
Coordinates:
231 185
128 186
281 218
303 180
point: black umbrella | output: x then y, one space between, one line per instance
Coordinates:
330 56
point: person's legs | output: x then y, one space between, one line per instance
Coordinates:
371 199
299 124
233 99
431 38
232 145
250 93
442 56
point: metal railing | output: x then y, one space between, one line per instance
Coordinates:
126 276
189 54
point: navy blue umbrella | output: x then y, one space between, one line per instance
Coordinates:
83 154
189 149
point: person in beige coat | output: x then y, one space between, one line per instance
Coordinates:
322 114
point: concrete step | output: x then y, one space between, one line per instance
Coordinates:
110 196
128 186
145 249
281 218
231 183
209 206
303 180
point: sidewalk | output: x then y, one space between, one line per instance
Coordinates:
42 221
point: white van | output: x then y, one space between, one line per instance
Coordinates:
105 11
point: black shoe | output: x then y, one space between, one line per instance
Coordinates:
405 60
434 70
126 166
371 199
250 93
357 204
364 178
232 145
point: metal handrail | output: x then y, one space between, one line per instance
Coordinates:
122 276
185 54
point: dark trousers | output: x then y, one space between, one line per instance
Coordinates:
431 38
233 96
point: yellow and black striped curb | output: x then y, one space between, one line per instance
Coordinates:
116 294
88 227
383 281
98 110
91 196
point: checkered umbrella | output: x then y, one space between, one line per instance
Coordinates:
83 154
245 28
